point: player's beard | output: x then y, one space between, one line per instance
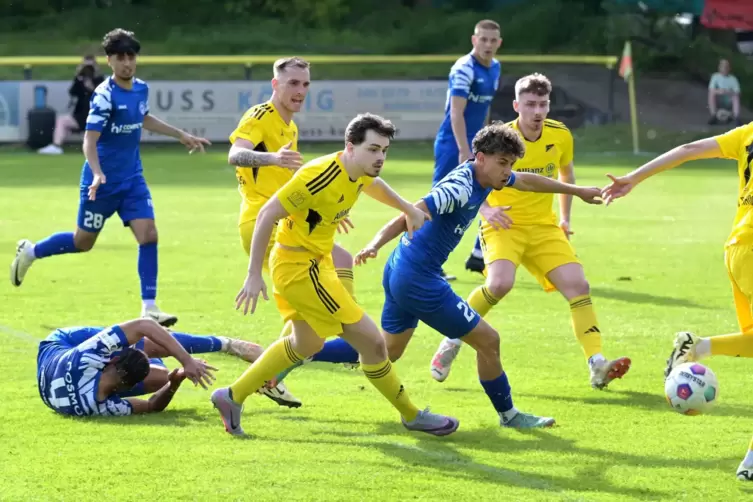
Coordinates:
375 169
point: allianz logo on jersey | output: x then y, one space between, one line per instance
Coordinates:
480 98
125 128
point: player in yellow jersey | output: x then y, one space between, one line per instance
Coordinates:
520 228
265 153
736 145
307 289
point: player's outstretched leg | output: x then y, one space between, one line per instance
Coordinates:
689 347
60 243
145 232
366 338
745 469
485 340
282 354
570 280
336 351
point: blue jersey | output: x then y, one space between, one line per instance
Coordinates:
477 83
118 114
69 365
453 203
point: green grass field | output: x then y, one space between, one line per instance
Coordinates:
346 443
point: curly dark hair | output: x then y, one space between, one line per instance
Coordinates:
120 41
132 366
497 138
358 127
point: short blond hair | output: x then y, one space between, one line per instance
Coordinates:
283 64
486 24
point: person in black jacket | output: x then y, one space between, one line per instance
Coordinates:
87 78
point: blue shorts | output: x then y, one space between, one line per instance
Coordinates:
411 296
445 160
131 199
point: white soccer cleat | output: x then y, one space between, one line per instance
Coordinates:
51 149
744 473
684 351
155 314
21 263
280 395
603 372
242 349
442 361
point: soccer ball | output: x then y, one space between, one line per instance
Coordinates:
691 388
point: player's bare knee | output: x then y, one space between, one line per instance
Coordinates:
84 241
499 286
149 236
577 287
341 258
394 350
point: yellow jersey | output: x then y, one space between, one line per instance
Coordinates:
263 126
737 144
545 156
319 196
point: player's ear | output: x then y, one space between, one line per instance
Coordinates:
515 105
275 82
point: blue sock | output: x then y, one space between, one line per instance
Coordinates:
198 344
499 392
148 270
336 351
477 248
59 243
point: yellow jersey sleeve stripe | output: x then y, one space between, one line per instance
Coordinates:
555 126
322 180
325 297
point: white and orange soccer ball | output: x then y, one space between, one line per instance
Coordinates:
691 389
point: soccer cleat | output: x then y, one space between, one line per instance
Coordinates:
352 366
744 473
442 361
242 349
603 372
51 149
431 423
154 313
447 277
526 421
21 263
475 264
230 411
683 352
280 395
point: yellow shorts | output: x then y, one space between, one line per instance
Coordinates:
738 259
539 248
247 232
306 288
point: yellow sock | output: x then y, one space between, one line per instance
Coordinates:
737 345
287 329
585 325
346 277
750 446
481 300
278 356
385 379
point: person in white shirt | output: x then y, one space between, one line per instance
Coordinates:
724 95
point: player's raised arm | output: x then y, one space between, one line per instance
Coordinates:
193 143
723 146
382 192
242 154
159 400
529 182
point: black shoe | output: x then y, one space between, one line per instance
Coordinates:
446 277
475 264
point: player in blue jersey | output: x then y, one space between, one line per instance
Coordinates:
80 355
81 374
414 288
473 82
112 179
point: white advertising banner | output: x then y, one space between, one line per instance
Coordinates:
212 108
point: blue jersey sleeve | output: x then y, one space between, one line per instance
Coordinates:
511 180
452 192
115 406
105 343
461 78
100 109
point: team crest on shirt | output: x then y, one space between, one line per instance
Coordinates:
550 169
142 107
296 198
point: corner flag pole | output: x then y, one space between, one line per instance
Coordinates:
627 73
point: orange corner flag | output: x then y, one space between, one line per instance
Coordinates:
626 64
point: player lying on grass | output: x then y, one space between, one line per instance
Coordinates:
307 290
527 234
112 178
736 145
89 370
413 286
